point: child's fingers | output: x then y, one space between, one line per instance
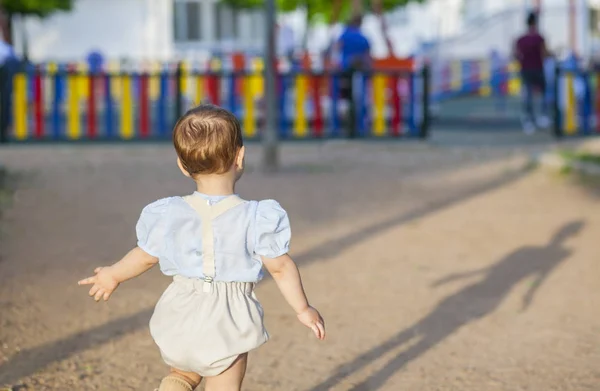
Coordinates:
96 270
321 328
316 330
99 294
106 296
93 290
87 281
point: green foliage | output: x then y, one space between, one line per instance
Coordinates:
584 157
318 10
35 7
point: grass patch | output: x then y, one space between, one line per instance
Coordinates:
583 157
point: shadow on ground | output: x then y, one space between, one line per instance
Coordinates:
471 303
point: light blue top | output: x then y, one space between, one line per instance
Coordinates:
171 230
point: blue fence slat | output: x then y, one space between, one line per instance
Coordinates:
162 103
108 107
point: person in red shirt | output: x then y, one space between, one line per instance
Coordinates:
530 51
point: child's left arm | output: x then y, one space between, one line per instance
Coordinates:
107 279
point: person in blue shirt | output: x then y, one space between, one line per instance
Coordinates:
355 56
354 47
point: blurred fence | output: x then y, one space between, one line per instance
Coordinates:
577 111
54 104
482 77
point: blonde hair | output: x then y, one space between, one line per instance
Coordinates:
207 139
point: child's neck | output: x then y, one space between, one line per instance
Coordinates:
217 185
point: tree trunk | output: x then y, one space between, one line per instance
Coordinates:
25 38
9 29
337 10
307 24
377 6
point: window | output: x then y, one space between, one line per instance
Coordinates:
226 22
186 20
258 28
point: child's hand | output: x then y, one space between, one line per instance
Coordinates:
311 318
104 283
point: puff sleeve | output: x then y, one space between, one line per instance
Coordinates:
273 232
151 228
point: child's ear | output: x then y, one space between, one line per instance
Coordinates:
239 160
183 170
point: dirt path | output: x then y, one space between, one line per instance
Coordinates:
375 227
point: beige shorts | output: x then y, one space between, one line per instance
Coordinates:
204 332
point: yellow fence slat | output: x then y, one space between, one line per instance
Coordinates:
249 116
126 108
571 109
74 118
379 82
514 81
301 123
486 78
20 106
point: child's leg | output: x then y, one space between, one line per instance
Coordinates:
231 379
180 381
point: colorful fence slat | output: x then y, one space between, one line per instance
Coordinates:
144 104
317 109
38 98
162 104
514 81
597 103
213 89
58 81
92 130
334 96
249 114
456 75
379 125
301 123
74 117
200 86
108 106
126 108
486 78
571 111
20 106
396 103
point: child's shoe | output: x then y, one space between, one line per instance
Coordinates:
174 383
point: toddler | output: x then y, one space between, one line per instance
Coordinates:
214 244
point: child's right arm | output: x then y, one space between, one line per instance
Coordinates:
107 279
287 276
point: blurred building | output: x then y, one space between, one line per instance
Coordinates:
166 29
141 29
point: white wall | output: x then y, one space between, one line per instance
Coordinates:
115 27
133 29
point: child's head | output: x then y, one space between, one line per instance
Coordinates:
208 140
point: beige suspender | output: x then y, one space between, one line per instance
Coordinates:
208 213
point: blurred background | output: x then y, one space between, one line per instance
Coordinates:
126 69
440 170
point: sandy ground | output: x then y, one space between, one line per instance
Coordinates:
435 267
